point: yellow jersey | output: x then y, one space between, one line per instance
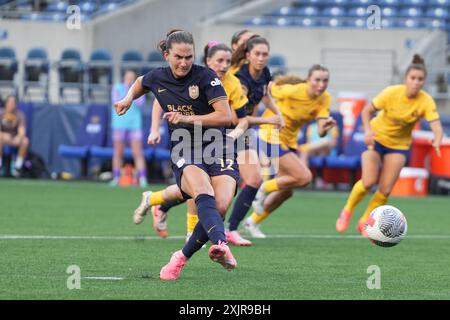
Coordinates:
394 124
236 97
297 109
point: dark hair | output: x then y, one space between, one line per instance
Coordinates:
317 67
212 47
175 36
417 63
240 54
237 36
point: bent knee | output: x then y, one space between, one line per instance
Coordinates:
303 179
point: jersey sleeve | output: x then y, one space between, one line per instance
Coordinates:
324 110
381 100
213 88
147 80
238 100
431 113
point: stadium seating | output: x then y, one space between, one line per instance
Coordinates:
93 132
100 73
36 71
71 72
154 60
8 68
132 60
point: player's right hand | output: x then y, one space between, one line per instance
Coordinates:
154 138
122 106
369 138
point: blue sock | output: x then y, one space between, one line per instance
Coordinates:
198 238
167 206
241 206
210 218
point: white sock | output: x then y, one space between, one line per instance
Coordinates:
19 163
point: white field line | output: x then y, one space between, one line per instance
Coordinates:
103 278
272 236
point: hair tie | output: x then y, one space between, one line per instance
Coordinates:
212 44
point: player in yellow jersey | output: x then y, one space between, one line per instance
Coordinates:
388 139
299 102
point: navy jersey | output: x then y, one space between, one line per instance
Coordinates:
193 94
257 89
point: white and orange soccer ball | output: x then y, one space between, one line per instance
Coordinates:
386 226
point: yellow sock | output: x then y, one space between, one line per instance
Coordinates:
356 195
377 200
270 186
192 220
266 173
259 218
156 198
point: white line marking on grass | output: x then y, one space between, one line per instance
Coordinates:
103 278
272 236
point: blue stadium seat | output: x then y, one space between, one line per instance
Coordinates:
259 21
8 68
389 12
387 23
36 71
92 133
284 21
132 60
362 2
333 11
415 3
307 22
442 3
71 72
100 73
358 11
284 11
60 6
333 22
357 22
391 3
408 23
307 11
435 23
437 12
155 59
412 12
351 156
335 2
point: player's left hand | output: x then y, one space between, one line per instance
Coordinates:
329 123
174 117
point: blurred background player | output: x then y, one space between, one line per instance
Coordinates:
190 95
300 102
127 129
13 132
254 77
239 39
388 137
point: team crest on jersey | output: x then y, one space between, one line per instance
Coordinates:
194 92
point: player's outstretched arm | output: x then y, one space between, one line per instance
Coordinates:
438 133
135 91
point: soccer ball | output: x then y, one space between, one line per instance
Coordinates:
386 226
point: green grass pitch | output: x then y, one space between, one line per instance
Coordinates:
46 226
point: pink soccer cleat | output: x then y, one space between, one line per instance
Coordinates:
159 221
361 228
221 253
172 270
343 221
235 238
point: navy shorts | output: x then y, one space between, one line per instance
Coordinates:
382 150
228 167
273 150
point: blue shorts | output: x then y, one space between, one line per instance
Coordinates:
382 150
228 168
273 150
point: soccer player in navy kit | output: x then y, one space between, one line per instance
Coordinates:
255 77
192 98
